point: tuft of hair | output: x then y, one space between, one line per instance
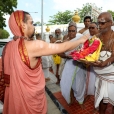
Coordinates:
25 16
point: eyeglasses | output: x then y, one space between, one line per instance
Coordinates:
92 27
71 30
102 23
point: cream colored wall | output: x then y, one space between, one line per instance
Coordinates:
53 27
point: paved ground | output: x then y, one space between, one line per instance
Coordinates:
53 87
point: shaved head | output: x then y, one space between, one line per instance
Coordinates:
105 21
105 16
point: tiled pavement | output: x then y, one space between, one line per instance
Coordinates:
56 100
52 87
57 104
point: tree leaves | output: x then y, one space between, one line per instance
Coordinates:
6 7
112 13
86 10
61 17
3 34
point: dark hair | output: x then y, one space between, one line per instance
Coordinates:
50 35
94 23
25 16
87 17
38 35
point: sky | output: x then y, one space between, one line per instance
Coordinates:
51 7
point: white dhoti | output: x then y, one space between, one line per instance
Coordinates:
61 67
45 65
73 76
90 81
104 83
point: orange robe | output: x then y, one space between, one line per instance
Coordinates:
0 66
26 91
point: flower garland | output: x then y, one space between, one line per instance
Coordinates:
91 46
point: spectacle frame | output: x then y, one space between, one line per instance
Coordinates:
92 27
71 30
102 23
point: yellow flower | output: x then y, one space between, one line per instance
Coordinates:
56 59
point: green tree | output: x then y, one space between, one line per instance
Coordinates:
38 23
86 10
112 13
3 34
6 7
61 17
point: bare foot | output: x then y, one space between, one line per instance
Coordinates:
95 111
51 70
82 106
72 99
57 82
47 79
86 98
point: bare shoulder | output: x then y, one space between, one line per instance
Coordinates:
65 37
82 30
35 44
113 34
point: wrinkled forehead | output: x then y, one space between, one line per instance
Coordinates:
92 25
58 30
103 18
72 27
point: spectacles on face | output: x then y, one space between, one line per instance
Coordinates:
71 31
92 27
102 23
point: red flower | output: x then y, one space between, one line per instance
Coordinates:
88 48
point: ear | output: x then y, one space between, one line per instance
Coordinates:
23 25
112 23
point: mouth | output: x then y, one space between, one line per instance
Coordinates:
100 28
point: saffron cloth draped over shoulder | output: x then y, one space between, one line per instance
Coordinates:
26 91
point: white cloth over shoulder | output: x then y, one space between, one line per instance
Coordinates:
86 32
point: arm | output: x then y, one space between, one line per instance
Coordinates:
81 31
39 48
107 62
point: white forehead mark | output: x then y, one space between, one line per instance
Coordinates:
50 46
54 46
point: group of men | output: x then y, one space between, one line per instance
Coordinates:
22 69
76 85
77 79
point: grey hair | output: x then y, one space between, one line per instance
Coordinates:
58 29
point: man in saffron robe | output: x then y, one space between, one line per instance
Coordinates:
25 91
